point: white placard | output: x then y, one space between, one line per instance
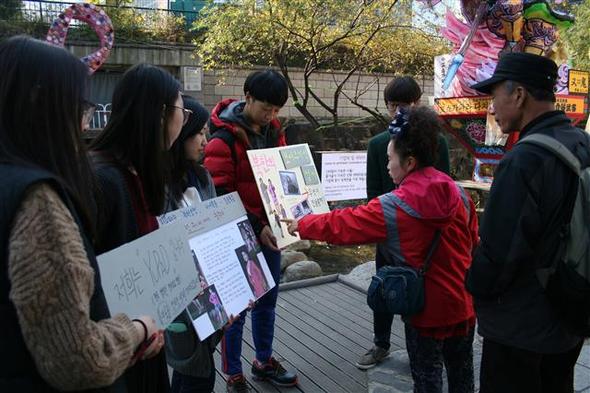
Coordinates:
344 175
231 268
289 186
153 275
192 78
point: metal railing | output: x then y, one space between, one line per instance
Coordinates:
153 21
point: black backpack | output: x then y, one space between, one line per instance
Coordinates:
567 280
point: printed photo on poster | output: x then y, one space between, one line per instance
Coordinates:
207 313
249 237
253 271
301 209
202 281
289 186
289 183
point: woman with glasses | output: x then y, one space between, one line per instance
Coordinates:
132 162
56 333
191 359
426 205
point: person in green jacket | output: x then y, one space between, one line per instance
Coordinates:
401 91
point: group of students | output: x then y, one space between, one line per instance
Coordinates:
61 204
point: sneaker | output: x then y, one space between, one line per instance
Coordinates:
238 384
373 356
273 372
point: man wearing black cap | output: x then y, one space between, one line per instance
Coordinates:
527 347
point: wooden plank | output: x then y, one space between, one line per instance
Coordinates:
334 342
397 328
333 305
287 286
289 311
312 378
219 382
331 319
328 350
327 377
357 311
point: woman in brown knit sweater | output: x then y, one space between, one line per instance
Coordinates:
56 332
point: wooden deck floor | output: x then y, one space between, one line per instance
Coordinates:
320 332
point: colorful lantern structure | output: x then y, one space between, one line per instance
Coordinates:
490 28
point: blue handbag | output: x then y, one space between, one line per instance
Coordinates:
400 289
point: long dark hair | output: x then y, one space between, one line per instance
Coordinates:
136 134
41 106
180 163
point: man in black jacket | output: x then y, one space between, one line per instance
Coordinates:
527 347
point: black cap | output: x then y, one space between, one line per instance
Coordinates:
526 68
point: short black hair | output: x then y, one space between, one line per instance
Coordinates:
421 139
537 93
268 86
403 89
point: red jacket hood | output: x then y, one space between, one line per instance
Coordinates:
432 194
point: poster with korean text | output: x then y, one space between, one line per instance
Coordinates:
289 186
230 266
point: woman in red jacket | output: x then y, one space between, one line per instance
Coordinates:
404 222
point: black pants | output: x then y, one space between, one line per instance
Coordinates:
381 320
507 369
182 383
428 356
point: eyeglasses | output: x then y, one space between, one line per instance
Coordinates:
186 113
88 109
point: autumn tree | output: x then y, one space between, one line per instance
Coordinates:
353 36
577 37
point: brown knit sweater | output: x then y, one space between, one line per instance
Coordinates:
51 286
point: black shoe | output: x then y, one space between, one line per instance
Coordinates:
238 384
273 372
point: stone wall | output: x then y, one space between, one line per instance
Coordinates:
228 83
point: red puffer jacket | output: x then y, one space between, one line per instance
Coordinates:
406 220
229 176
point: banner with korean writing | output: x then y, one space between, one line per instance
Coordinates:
578 82
229 262
344 175
153 275
289 186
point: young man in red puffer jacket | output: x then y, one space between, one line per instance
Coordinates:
238 126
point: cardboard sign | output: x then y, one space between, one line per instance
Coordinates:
153 275
288 184
344 175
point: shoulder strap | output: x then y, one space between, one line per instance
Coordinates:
556 147
431 250
230 139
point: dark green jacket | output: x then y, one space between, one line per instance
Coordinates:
378 180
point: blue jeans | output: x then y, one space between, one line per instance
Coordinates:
263 323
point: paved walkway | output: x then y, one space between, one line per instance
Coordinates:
393 375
